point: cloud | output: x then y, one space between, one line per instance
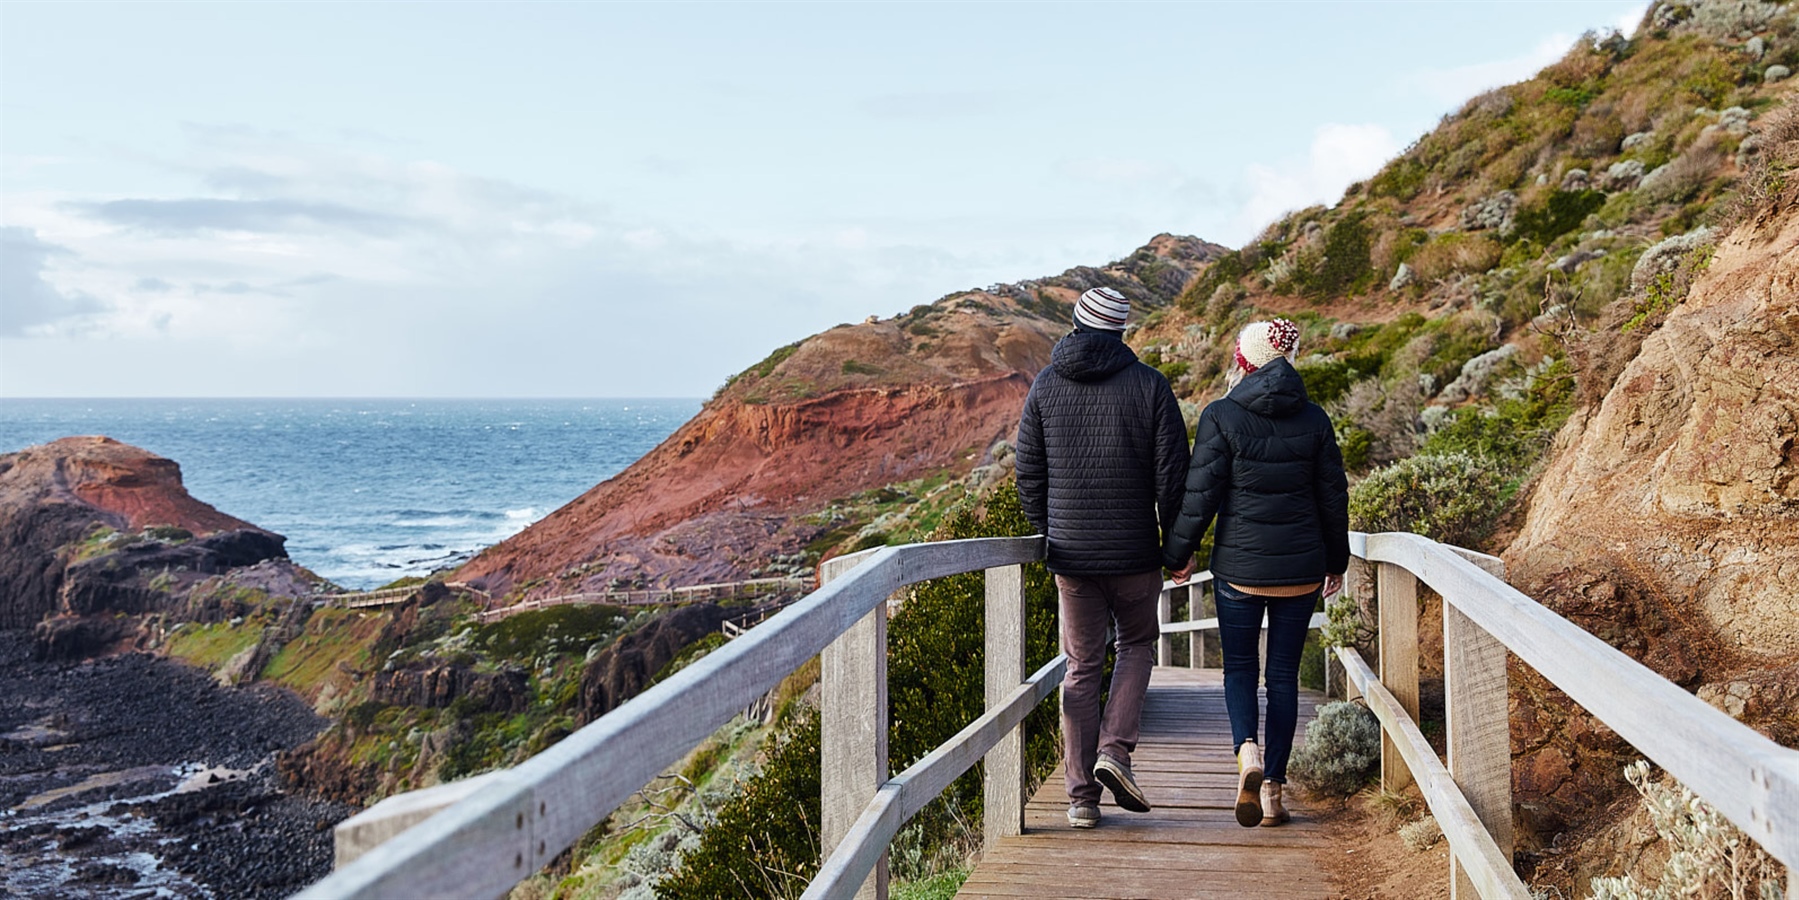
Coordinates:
1340 155
1453 86
256 216
27 301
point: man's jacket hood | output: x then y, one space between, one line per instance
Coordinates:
1086 356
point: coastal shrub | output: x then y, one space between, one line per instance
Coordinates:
1707 855
764 842
1559 213
1341 750
1516 432
853 367
1420 835
1451 498
1453 254
1344 267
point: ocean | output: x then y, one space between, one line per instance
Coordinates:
368 491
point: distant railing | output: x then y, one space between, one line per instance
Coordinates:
724 590
478 840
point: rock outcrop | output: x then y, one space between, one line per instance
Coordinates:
53 497
1667 524
623 670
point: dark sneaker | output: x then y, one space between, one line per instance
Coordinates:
1083 815
1249 785
1116 776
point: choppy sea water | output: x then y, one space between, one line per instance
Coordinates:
368 491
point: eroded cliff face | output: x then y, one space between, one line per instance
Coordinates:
1667 524
852 409
55 496
1683 479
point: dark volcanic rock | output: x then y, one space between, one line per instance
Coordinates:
621 671
437 686
53 495
141 719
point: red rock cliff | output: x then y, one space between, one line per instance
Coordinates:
849 410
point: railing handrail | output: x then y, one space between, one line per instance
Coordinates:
515 825
1749 779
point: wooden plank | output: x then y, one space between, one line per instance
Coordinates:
1003 793
1398 662
380 823
1751 780
1489 870
853 727
558 795
1479 733
1189 846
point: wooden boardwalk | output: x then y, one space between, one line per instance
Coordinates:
1189 846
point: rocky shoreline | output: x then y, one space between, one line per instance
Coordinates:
133 776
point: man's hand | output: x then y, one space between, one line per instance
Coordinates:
1332 585
1183 573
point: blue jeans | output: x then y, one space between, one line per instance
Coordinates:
1240 631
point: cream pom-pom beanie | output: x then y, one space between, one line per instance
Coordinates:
1260 343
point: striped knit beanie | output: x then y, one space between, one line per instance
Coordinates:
1261 343
1104 308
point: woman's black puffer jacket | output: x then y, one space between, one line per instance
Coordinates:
1101 454
1266 463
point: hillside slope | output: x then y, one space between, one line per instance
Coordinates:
756 474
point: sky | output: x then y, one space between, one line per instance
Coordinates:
530 199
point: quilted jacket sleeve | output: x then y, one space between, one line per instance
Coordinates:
1332 493
1172 457
1031 466
1208 478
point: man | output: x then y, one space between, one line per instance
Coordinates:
1101 462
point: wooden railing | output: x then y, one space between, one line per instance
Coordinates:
1751 780
514 822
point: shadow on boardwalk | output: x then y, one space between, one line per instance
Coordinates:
1190 845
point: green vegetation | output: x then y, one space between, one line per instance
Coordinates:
1453 498
1341 750
852 367
334 640
557 630
211 646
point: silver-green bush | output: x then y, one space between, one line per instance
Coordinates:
1341 750
1453 498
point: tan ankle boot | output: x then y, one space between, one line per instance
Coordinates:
1249 781
1273 813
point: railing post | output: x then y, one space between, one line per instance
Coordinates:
1398 662
853 726
1479 734
1196 640
1004 800
1164 615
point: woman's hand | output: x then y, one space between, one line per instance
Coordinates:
1332 585
1183 573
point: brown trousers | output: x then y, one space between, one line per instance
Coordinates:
1088 605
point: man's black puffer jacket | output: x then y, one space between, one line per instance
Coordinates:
1266 463
1101 447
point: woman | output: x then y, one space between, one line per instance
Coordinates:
1266 464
